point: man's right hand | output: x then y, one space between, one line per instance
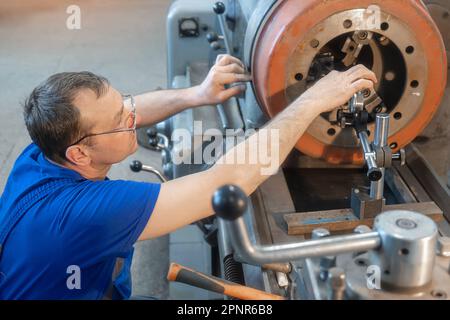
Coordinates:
335 89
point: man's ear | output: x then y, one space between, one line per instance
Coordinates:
138 120
78 155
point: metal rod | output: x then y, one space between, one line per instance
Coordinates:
224 33
381 130
231 116
380 141
259 255
377 187
154 171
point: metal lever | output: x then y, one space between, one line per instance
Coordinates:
380 143
411 235
219 8
137 166
231 115
374 173
356 107
378 156
230 203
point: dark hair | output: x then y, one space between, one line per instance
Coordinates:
52 120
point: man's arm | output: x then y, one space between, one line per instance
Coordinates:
188 199
156 106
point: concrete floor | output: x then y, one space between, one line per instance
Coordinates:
122 40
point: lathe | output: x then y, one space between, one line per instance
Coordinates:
356 212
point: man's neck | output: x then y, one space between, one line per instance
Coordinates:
92 172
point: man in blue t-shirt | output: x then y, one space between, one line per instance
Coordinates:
67 231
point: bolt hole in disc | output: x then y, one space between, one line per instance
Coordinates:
299 77
348 24
410 50
384 26
404 252
331 132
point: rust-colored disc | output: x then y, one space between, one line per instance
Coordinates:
288 27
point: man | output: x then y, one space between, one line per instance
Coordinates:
64 224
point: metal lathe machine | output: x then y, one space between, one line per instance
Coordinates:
357 211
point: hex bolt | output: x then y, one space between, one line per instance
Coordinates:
336 284
314 43
320 233
363 35
443 246
366 93
362 229
326 262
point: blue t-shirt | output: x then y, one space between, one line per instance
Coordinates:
66 246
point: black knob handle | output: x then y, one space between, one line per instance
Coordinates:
152 132
153 141
215 45
212 36
219 8
375 174
136 166
229 202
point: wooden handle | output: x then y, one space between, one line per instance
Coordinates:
197 279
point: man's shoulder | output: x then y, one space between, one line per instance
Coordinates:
33 175
30 177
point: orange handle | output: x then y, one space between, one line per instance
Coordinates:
197 279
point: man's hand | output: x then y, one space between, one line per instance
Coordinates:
226 71
337 88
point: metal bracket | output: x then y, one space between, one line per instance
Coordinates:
364 206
